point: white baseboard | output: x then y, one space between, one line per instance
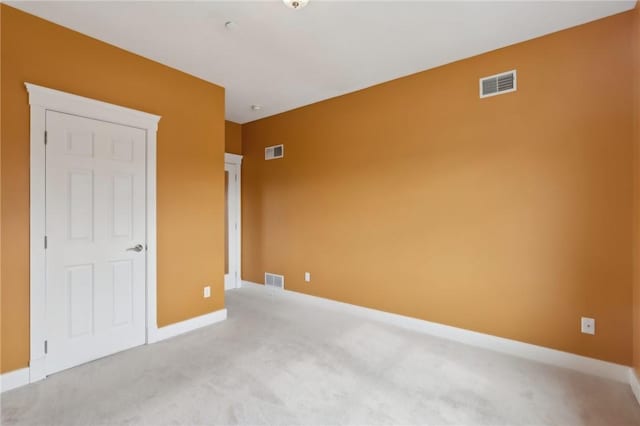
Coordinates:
185 326
14 379
635 384
541 354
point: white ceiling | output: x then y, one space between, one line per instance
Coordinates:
283 59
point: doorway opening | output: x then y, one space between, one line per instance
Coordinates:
232 221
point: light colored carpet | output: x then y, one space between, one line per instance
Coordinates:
280 360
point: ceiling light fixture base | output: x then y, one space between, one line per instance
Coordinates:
295 4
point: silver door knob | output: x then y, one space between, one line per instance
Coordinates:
137 248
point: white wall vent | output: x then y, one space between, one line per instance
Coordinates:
273 152
498 84
273 280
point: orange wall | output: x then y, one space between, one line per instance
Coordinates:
636 283
233 137
1 9
510 215
190 164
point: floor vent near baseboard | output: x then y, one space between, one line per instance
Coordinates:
273 280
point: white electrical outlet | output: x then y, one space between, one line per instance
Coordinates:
207 292
307 276
588 325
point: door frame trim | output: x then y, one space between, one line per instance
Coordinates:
235 161
41 100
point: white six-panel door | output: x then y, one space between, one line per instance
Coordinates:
95 227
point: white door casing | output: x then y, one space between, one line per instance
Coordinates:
95 227
232 165
44 102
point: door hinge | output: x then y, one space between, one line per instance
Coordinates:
46 347
45 137
236 177
45 242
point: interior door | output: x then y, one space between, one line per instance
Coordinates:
231 226
96 233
